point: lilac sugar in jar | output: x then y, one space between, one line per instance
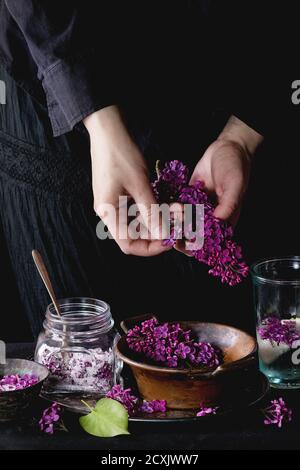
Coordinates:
78 347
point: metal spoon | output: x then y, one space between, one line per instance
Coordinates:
40 265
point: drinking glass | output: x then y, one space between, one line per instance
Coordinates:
277 305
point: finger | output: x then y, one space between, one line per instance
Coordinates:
228 204
149 211
116 221
197 176
180 245
144 248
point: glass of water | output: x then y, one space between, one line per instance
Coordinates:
277 305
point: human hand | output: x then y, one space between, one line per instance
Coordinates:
119 169
225 168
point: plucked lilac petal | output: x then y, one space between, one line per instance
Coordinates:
132 403
50 417
155 406
17 382
125 397
278 413
204 411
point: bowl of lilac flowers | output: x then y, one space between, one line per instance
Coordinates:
20 384
187 362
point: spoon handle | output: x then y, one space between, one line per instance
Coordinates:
40 265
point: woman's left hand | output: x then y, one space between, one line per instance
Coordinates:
225 168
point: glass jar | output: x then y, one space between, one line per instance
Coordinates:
78 347
277 306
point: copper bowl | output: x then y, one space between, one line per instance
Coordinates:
187 388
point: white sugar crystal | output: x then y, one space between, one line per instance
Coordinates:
78 371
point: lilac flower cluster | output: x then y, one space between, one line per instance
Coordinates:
132 403
51 416
204 411
125 397
277 413
219 251
279 331
154 406
78 371
172 346
10 383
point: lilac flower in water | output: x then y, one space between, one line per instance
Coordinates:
219 251
172 346
51 416
277 413
204 411
279 331
17 382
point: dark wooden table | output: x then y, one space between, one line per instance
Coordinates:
238 431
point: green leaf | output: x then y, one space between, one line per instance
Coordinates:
108 419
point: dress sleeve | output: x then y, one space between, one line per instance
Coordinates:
61 40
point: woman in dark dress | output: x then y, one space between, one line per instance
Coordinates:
119 83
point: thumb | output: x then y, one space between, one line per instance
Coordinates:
228 203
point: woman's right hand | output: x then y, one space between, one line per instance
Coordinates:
119 169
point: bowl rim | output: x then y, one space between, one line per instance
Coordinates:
11 392
156 368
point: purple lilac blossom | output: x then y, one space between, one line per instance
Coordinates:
9 383
154 406
172 346
132 403
204 411
125 397
50 417
279 331
277 413
219 251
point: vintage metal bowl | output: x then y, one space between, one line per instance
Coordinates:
14 403
187 388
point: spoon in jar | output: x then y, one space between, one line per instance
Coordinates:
40 265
